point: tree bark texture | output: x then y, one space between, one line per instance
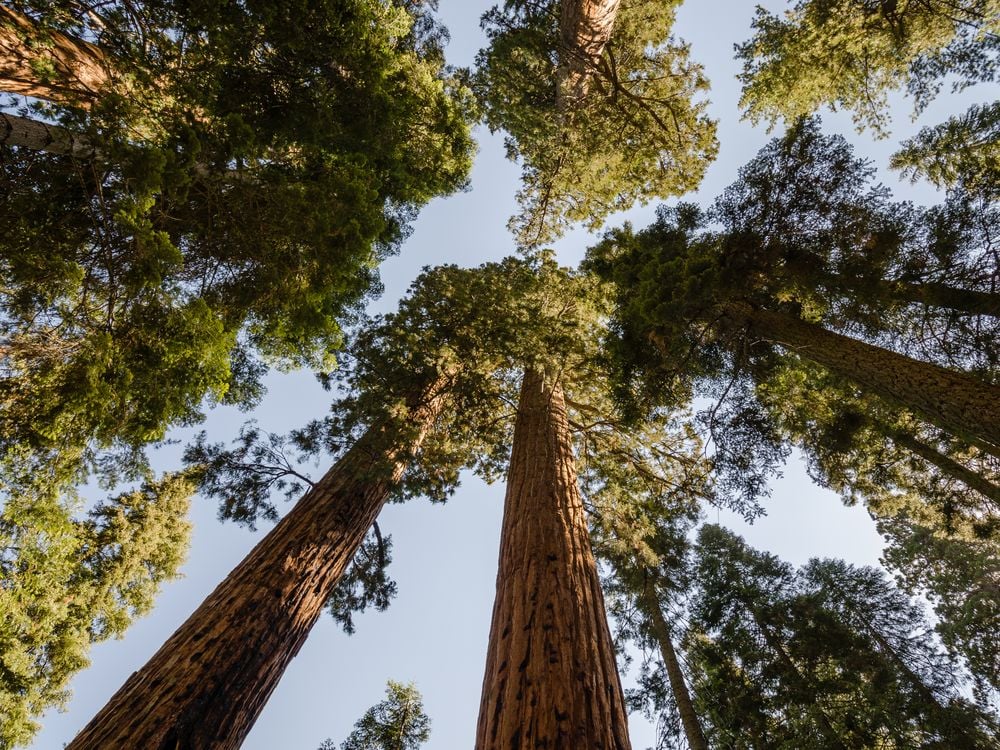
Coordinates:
650 606
954 401
48 64
208 683
551 678
585 27
947 465
40 136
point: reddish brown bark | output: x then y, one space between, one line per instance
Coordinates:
585 27
954 401
551 679
48 64
207 684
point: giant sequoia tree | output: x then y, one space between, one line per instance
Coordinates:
248 168
813 263
599 103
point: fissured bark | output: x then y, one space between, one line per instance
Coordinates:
551 679
207 684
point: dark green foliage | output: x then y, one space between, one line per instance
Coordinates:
803 232
961 578
851 54
366 583
255 163
72 579
828 656
396 723
638 134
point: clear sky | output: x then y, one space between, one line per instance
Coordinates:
445 556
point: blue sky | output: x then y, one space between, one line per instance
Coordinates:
445 556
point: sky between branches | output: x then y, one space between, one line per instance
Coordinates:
445 557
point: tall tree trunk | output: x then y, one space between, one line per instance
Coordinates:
40 136
207 684
650 605
954 401
78 70
585 27
947 465
551 679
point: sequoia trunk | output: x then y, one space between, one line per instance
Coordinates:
929 293
954 401
207 684
551 679
585 27
661 631
79 69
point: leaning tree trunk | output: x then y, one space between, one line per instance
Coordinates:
947 465
40 136
551 679
954 401
585 27
650 606
207 684
927 293
79 70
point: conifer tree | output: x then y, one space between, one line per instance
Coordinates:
396 723
599 104
829 656
807 249
71 580
248 168
851 54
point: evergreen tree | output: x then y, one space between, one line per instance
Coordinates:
249 167
851 54
599 105
829 656
807 248
396 723
71 579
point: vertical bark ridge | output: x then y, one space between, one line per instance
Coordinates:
954 401
208 683
551 678
78 69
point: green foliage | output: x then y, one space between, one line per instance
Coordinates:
803 232
637 135
827 656
960 577
255 163
852 53
965 150
396 723
71 580
366 582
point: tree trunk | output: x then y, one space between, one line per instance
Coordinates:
954 401
585 27
661 631
947 465
78 70
207 684
40 136
929 293
551 678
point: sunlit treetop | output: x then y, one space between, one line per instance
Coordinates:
639 131
853 53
